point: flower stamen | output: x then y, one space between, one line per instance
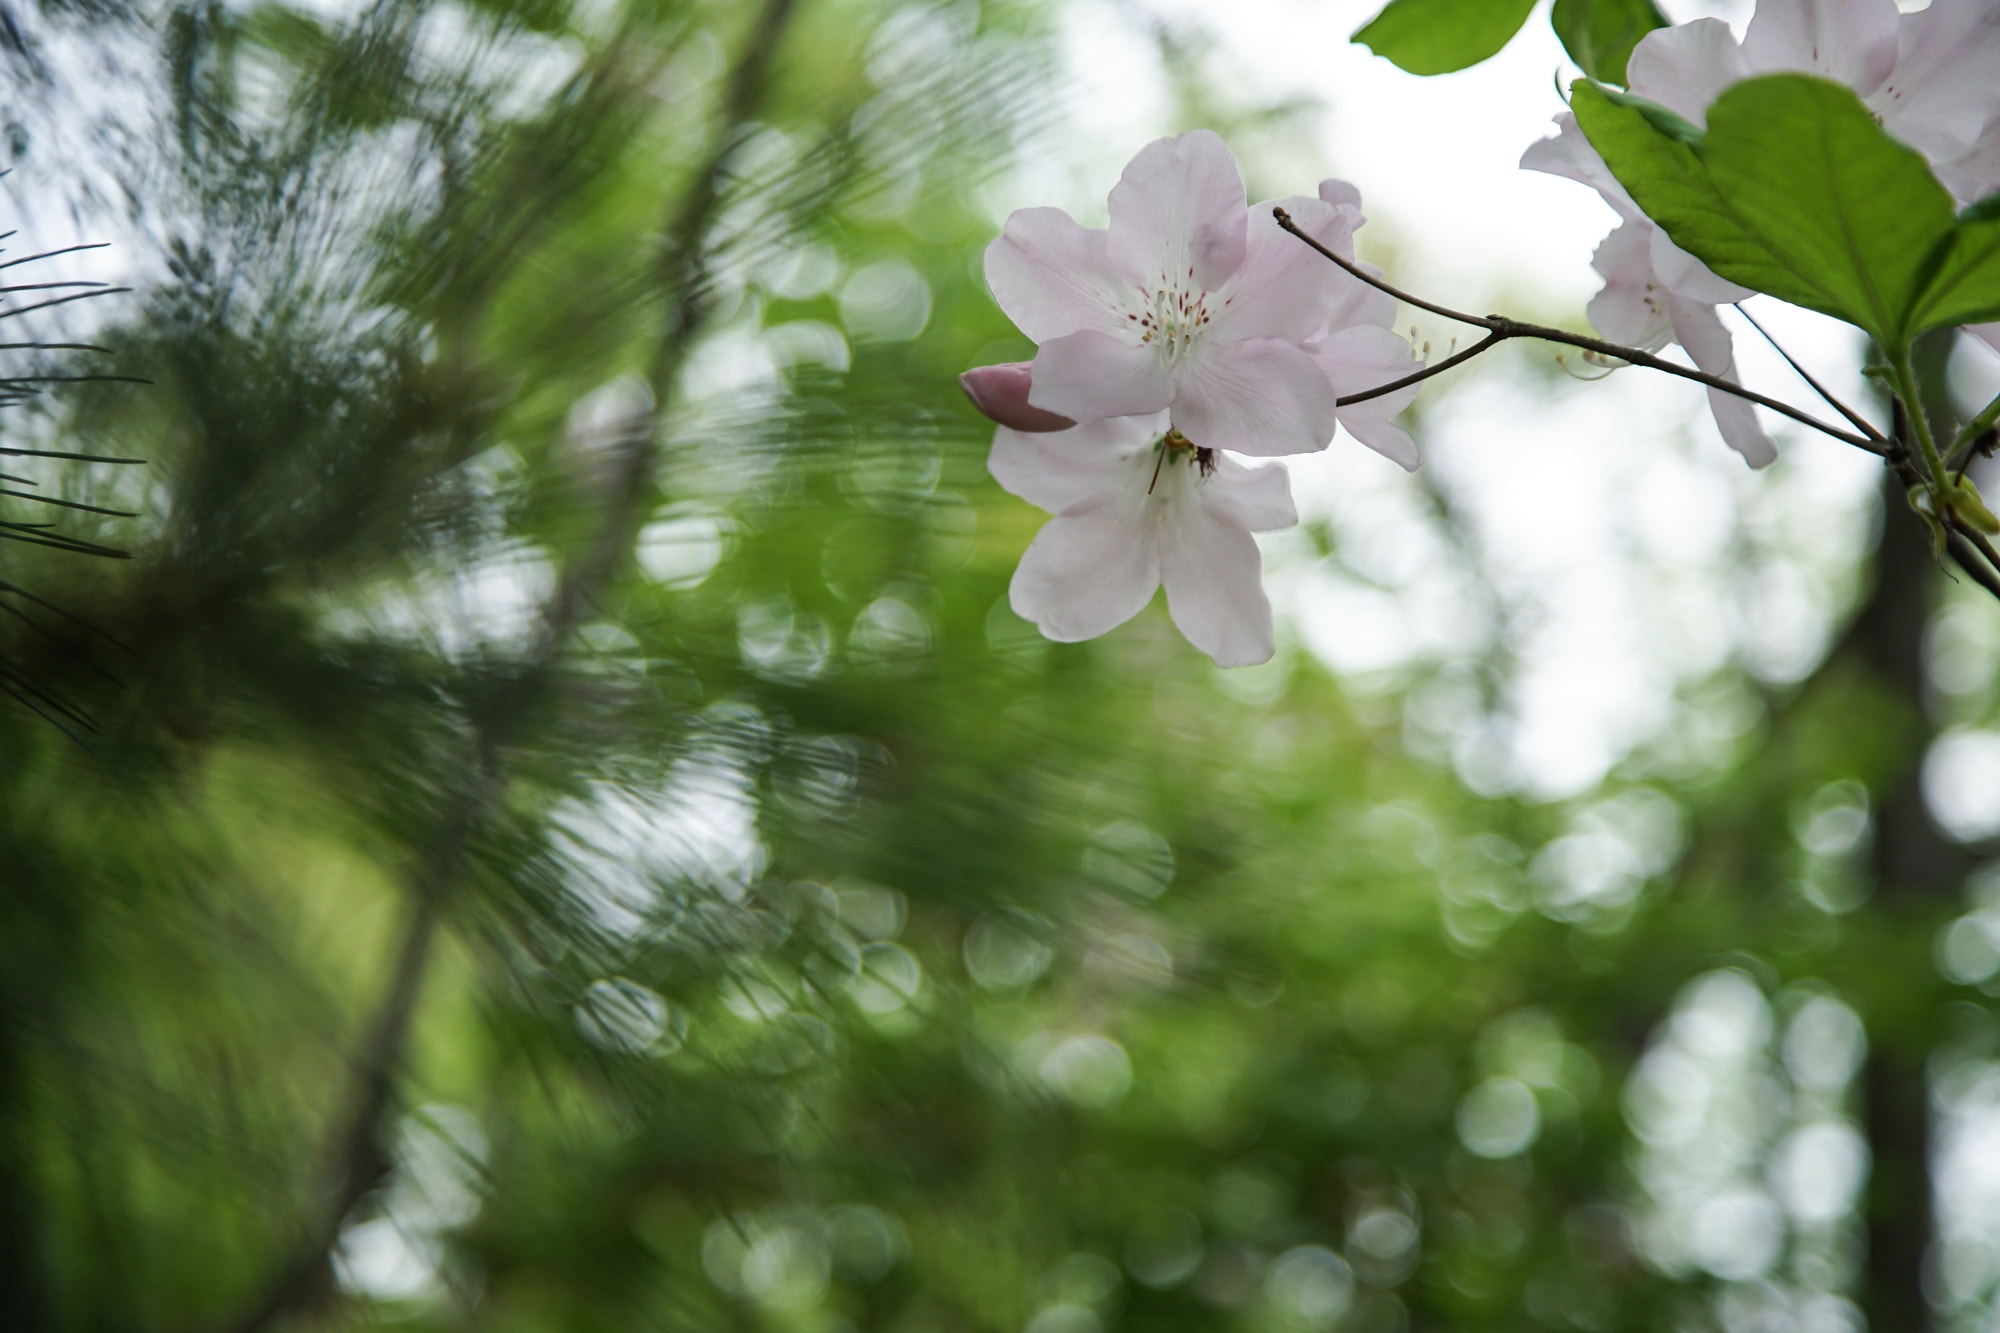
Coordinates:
1170 317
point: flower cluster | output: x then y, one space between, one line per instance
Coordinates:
1928 75
1190 329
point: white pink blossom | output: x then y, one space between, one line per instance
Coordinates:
1135 508
1929 76
1190 302
1192 326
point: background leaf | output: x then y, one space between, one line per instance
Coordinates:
1439 36
1600 34
1794 191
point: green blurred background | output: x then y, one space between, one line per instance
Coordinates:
415 912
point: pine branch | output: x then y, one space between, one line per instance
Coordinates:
357 1158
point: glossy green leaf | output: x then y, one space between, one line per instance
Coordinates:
1966 287
1662 118
1600 34
1439 36
1794 190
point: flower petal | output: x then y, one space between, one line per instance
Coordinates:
1087 574
1631 309
1986 333
1177 213
1001 392
1700 330
1215 587
1358 359
1284 289
1570 156
1088 376
1944 87
1339 192
1687 276
1357 304
1354 302
1256 499
1074 471
1975 173
1849 41
1052 276
1685 68
1263 397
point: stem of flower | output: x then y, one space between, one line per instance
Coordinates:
1913 410
1501 327
1966 543
1978 426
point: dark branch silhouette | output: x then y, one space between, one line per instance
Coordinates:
1500 328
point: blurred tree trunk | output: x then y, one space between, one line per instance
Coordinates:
1918 873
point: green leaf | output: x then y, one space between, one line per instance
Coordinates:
1600 34
1965 289
1439 36
1662 118
1981 210
1794 190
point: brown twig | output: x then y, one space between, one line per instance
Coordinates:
1860 423
1967 544
1499 328
1417 377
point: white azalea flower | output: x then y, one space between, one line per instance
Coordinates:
1655 292
1190 303
1927 75
1137 506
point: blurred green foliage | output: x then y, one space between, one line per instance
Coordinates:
818 947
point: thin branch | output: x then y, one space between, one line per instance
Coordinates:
73 379
55 453
37 534
53 637
52 347
1965 542
1502 327
18 591
1860 423
51 254
70 504
1418 377
49 286
64 300
32 707
357 1159
1977 538
1981 571
61 705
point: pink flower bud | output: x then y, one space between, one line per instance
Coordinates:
1001 392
